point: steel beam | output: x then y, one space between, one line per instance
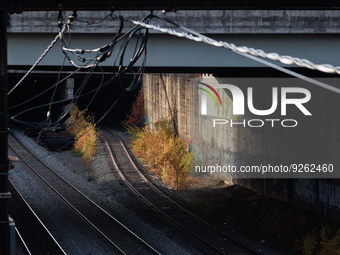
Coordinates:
4 189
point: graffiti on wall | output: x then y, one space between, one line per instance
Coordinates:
305 189
196 156
328 193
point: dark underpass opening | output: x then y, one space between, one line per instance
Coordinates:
31 100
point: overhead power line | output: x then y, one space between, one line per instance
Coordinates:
197 37
137 36
36 63
42 55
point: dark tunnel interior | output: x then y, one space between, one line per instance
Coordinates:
31 88
101 102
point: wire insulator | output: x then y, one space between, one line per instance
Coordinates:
70 18
80 51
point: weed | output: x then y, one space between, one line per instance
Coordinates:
164 153
309 243
82 126
322 244
76 153
89 177
283 225
136 113
280 223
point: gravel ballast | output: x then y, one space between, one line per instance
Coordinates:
105 191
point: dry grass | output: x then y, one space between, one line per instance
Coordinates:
165 154
82 126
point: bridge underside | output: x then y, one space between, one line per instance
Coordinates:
172 54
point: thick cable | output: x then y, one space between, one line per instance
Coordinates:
133 85
197 37
297 75
41 57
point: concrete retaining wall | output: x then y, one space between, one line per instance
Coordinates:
314 140
168 96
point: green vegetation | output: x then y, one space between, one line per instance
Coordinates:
290 229
321 242
280 223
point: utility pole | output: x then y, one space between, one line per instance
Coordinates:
4 163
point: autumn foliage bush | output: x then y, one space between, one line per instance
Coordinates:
322 244
136 113
165 154
81 125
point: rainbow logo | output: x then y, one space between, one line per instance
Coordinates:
213 90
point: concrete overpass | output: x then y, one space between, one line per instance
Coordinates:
305 34
313 35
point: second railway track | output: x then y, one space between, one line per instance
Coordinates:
215 241
30 228
122 239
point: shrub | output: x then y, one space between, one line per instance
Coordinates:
322 244
82 126
165 154
309 244
279 223
136 112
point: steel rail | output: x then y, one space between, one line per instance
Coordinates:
153 250
36 216
153 206
193 216
23 242
69 204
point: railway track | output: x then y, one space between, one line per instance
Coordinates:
215 241
32 233
122 239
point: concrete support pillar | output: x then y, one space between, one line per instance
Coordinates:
65 91
68 88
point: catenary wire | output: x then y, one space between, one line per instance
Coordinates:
43 92
39 59
292 73
192 35
99 21
134 84
247 52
